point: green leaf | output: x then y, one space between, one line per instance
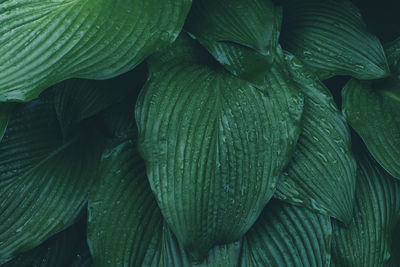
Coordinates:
372 109
367 240
6 110
322 172
125 225
287 235
214 145
394 260
174 254
60 250
44 182
331 38
242 37
45 42
123 216
78 99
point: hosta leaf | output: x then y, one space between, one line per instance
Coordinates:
43 181
394 260
287 235
5 113
125 225
79 99
214 145
322 171
123 215
367 240
373 111
174 254
331 38
242 37
60 250
44 42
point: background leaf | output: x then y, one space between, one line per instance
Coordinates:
214 146
373 109
79 99
331 38
242 37
287 235
43 182
45 42
60 250
322 172
5 113
367 240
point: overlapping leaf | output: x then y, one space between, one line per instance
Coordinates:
61 250
322 171
213 144
125 225
44 42
331 38
287 235
241 36
79 99
394 260
43 181
5 113
373 111
367 240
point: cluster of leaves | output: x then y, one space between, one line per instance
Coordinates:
180 133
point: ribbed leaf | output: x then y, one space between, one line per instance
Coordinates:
322 172
44 42
125 225
79 99
43 181
174 254
394 260
373 111
367 240
5 113
287 235
214 146
60 250
331 38
242 37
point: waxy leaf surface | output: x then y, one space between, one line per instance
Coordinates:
125 226
322 172
288 236
45 42
373 109
332 39
44 181
213 144
367 241
241 36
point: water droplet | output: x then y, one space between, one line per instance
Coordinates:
322 156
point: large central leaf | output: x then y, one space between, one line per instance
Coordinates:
44 42
125 226
213 144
